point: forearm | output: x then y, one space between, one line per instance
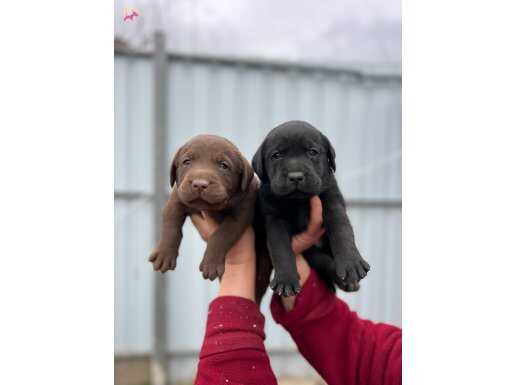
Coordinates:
233 351
239 280
343 348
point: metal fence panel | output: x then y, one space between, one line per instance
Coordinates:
133 289
242 103
133 125
133 209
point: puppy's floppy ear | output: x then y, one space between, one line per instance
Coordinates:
173 167
331 155
258 163
247 173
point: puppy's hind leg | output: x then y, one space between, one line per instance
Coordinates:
324 265
263 272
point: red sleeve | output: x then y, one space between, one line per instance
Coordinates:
343 348
233 352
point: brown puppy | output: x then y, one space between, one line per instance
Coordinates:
212 176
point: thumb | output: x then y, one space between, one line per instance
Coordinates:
201 225
210 224
315 215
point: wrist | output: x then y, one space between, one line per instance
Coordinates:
238 282
304 270
239 279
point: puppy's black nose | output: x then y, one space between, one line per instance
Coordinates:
296 176
199 184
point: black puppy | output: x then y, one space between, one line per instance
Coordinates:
294 163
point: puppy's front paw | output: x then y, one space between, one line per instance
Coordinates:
211 270
163 260
285 285
349 273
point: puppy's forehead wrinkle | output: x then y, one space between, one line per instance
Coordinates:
212 148
227 156
298 143
218 155
189 153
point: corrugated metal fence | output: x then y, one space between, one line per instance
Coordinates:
243 100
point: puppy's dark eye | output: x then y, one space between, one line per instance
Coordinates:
186 162
276 155
313 152
223 165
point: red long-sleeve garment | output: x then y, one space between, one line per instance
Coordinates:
343 348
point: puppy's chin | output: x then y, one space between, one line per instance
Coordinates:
199 204
209 200
294 192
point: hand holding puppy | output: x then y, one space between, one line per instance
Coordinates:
239 276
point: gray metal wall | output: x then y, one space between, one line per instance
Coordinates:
241 101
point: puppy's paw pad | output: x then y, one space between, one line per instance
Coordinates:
350 287
340 283
212 270
285 286
365 265
163 260
350 273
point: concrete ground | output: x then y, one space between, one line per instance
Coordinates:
136 371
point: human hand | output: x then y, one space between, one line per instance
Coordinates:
240 261
304 241
239 252
313 232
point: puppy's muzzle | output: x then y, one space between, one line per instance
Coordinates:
200 188
296 182
296 177
199 185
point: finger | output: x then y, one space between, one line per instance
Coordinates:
319 234
197 220
211 223
300 242
305 240
315 214
201 225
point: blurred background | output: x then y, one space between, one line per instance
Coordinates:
237 69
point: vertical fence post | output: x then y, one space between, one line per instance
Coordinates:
159 361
